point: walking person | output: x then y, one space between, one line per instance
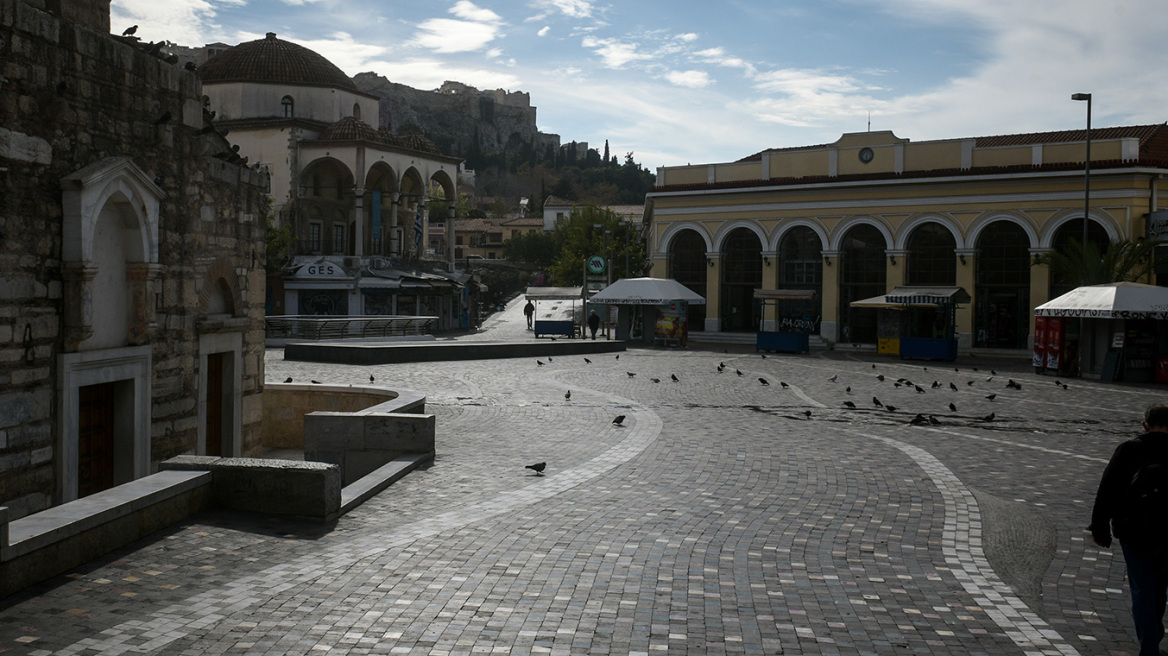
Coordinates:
529 312
593 323
1131 503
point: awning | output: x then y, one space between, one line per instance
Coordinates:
902 297
646 291
1119 300
554 293
785 294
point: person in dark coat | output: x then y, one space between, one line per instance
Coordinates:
1127 507
593 323
529 312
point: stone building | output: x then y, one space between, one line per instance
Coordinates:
131 283
855 218
357 197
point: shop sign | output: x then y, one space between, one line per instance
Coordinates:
1158 226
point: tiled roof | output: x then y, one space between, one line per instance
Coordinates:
350 128
556 201
525 221
274 61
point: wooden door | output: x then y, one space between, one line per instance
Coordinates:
214 415
95 458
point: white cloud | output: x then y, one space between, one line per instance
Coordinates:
690 79
342 49
613 53
467 10
569 8
473 30
544 31
688 37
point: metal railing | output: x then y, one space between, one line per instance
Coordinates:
318 327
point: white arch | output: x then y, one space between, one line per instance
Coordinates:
675 229
842 228
982 222
1051 227
726 229
85 194
907 228
787 226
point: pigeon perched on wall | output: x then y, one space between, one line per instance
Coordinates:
129 31
288 379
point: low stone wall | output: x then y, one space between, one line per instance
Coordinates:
286 404
45 544
361 442
295 488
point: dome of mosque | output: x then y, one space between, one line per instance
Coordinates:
274 61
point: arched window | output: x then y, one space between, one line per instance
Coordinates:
863 274
1073 231
741 275
356 111
801 267
687 265
1002 301
287 107
931 260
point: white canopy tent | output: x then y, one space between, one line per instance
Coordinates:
1117 300
646 291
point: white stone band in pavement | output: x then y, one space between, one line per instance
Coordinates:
961 544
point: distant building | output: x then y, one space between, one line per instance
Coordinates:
356 197
854 218
557 210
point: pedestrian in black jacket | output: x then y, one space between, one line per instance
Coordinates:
1129 504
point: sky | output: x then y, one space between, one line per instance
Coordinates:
680 82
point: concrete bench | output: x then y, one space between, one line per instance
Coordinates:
292 488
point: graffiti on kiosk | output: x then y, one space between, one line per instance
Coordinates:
804 325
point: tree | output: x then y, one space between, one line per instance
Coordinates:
577 239
606 153
1122 261
537 249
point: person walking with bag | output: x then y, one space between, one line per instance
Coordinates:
1132 504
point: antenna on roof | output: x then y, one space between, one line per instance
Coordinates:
869 120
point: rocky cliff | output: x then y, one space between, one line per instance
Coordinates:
459 118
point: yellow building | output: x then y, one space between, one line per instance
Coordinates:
855 218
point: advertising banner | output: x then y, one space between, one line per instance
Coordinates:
1039 342
1054 342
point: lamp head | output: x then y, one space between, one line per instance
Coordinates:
1081 96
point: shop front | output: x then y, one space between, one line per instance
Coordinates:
650 310
917 322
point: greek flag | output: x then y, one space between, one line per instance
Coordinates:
418 227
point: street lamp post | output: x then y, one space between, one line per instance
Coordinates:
1086 213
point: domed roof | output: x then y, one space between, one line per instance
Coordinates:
273 61
350 129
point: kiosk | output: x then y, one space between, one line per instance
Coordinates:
650 309
796 318
927 319
558 310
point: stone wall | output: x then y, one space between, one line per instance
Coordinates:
72 97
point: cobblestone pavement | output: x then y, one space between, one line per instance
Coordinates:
720 517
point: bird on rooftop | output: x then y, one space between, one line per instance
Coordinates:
538 467
850 405
619 420
129 31
763 381
288 379
674 377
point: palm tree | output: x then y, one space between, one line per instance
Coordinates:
1123 261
